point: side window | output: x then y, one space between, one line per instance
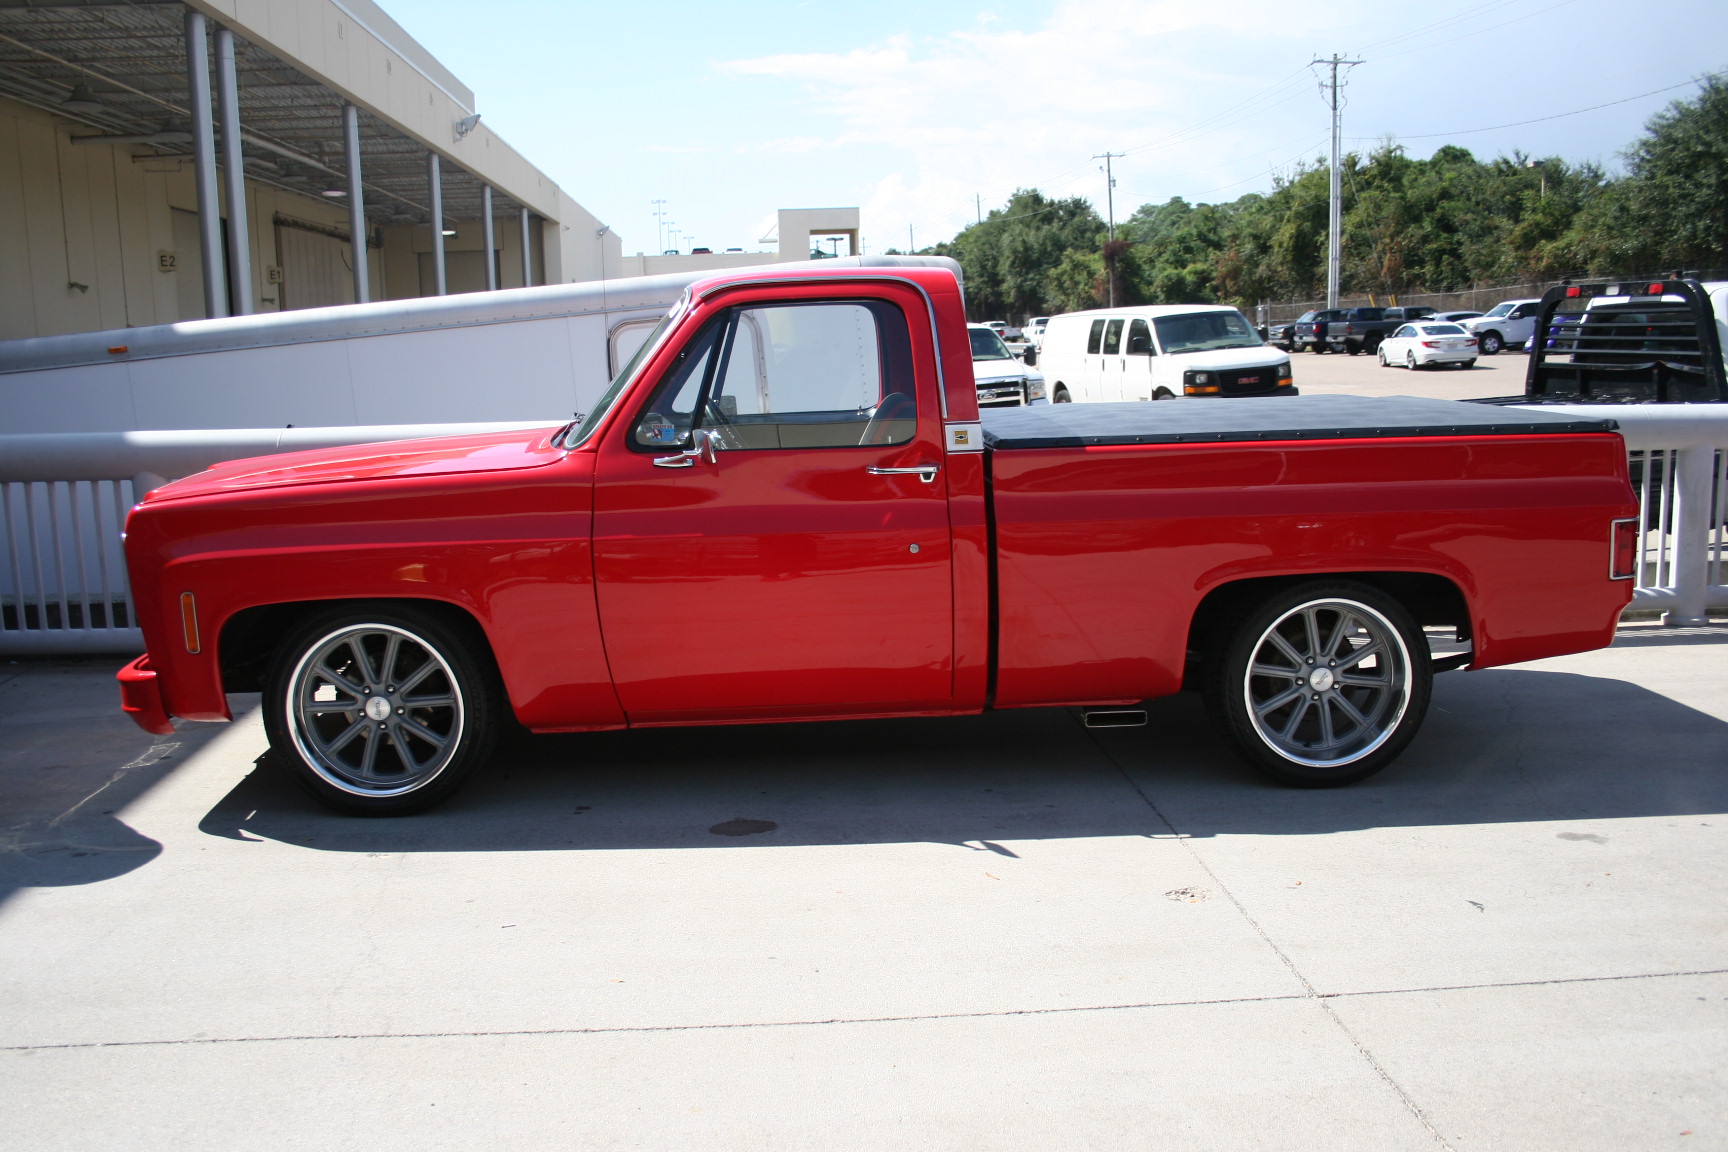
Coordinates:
1523 312
791 376
1405 331
1113 338
1095 338
1140 339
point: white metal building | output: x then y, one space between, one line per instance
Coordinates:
164 160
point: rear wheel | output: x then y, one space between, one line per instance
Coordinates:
1466 363
1410 361
1323 684
383 711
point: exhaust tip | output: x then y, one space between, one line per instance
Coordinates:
1115 718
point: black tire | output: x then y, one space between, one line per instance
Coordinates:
1268 715
1353 349
1490 343
1163 394
423 707
1318 347
1466 364
1060 396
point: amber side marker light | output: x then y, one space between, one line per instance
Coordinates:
1625 560
189 621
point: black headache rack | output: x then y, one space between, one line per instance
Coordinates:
1630 342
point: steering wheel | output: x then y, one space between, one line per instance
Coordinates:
894 406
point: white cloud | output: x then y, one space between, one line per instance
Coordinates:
991 108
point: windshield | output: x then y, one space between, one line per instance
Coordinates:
1499 309
986 345
588 421
1205 332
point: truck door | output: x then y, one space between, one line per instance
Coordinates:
771 525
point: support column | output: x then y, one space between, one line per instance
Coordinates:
1695 475
527 254
435 180
204 167
486 236
233 176
356 205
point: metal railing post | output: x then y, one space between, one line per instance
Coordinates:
1695 469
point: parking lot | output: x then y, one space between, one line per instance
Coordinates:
999 932
1501 375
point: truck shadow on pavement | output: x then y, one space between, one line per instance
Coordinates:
65 773
1498 746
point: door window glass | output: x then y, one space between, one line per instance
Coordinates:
791 376
1113 338
1095 338
1140 339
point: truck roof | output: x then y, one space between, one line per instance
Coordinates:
1326 417
1149 311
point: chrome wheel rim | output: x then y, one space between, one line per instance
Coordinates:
1328 683
375 710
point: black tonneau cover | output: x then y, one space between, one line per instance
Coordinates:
1205 420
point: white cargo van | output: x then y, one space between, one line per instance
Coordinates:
1158 351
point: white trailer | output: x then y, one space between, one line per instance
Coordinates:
523 354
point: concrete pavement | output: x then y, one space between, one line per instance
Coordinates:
1000 932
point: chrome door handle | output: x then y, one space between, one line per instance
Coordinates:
924 472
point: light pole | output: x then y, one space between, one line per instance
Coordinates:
659 223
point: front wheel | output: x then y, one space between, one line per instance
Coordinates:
1163 394
1491 344
381 712
1323 684
1060 396
1384 363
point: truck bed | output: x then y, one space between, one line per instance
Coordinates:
1209 421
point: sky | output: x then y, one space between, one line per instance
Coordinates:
925 114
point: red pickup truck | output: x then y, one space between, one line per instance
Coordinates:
787 508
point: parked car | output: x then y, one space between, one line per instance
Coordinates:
1404 315
1003 381
1427 345
1507 324
1281 335
784 509
1310 331
1156 352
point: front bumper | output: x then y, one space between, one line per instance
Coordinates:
141 697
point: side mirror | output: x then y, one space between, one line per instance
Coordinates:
1030 356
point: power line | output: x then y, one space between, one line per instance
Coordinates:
1539 119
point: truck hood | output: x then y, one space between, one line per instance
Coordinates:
440 456
1226 358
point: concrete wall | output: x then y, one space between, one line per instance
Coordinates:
647 264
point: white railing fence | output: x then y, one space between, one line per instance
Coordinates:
1679 459
64 498
63 504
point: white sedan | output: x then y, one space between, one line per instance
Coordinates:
1425 344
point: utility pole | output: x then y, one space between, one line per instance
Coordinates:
1335 217
1110 205
911 242
660 224
979 200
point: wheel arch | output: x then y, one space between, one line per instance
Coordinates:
1433 599
249 638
